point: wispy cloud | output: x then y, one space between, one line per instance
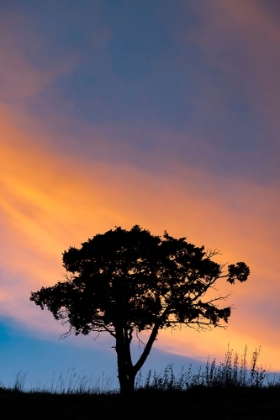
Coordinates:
242 40
20 78
50 202
203 164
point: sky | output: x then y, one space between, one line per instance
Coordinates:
161 113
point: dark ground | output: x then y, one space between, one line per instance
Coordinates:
195 403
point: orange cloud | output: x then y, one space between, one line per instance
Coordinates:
50 201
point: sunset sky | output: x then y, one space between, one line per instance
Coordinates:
161 113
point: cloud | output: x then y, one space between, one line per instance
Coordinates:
21 76
51 201
241 40
64 179
236 63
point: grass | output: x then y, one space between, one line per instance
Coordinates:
71 383
228 390
233 373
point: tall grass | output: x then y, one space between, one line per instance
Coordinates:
233 372
69 383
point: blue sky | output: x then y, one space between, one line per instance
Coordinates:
162 113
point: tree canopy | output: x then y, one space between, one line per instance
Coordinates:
124 282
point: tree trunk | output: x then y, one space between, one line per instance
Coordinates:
126 380
126 371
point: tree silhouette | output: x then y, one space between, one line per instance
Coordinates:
124 282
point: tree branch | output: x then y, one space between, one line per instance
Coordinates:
148 347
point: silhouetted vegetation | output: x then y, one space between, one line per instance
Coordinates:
229 390
124 282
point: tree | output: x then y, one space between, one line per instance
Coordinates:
124 282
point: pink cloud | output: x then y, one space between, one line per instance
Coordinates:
241 39
20 78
